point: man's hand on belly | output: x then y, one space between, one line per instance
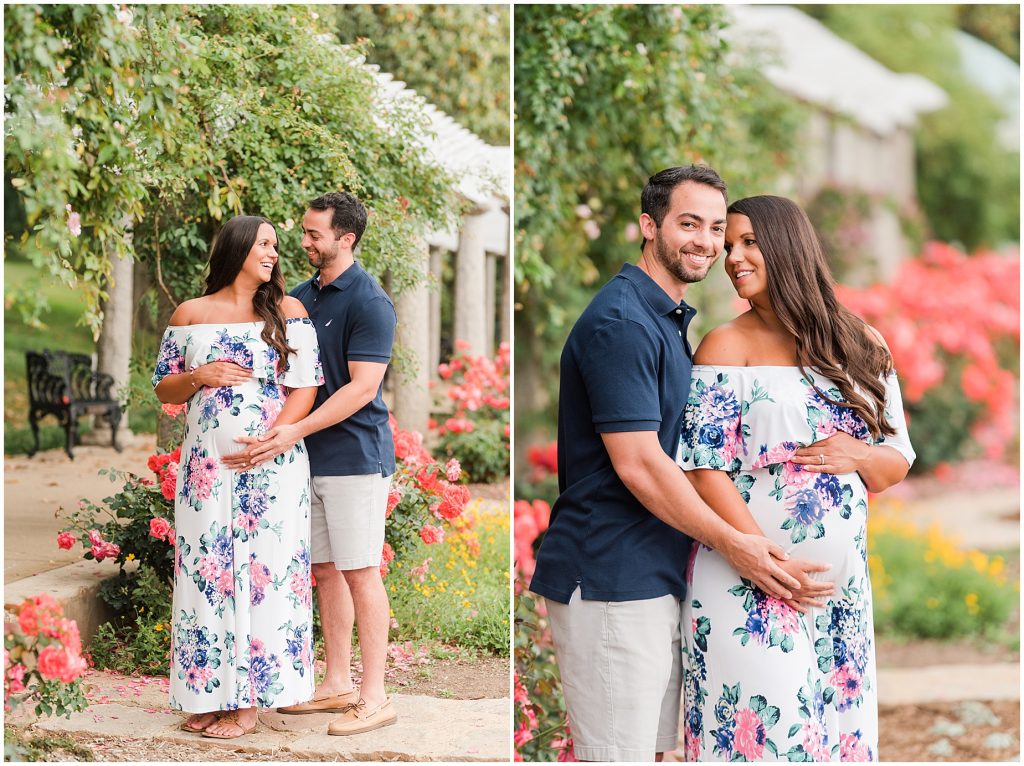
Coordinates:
276 441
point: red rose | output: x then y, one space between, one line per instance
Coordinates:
159 528
66 540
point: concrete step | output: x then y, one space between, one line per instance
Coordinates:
949 683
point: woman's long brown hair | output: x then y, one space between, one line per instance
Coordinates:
829 338
230 250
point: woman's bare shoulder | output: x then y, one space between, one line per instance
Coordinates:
188 312
293 308
728 344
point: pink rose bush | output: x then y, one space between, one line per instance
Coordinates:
425 496
477 432
952 323
43 659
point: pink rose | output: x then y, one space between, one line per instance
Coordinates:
16 678
56 663
431 535
453 470
159 528
750 734
66 540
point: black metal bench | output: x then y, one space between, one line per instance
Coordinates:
63 384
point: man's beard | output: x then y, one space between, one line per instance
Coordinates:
673 263
322 260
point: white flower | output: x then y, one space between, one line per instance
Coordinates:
641 49
632 232
74 222
583 211
288 225
76 131
124 15
591 229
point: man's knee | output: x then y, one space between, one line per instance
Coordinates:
363 579
325 571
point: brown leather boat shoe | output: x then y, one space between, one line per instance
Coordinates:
334 704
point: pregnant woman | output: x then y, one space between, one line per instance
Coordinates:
244 357
794 415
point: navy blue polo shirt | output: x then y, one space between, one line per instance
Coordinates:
625 367
355 322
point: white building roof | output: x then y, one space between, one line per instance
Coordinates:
811 63
483 170
999 76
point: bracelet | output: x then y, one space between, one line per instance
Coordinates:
192 379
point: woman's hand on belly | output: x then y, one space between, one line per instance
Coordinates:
221 374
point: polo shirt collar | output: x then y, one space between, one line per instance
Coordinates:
651 291
344 279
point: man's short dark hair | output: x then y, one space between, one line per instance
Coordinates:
348 216
656 196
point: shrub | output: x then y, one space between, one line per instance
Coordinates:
925 586
43 659
458 590
482 448
478 432
140 641
952 322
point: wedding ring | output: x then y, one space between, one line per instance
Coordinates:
821 457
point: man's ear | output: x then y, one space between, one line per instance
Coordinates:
348 240
648 227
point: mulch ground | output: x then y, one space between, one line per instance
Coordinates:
950 731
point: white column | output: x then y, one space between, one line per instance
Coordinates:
490 315
471 324
437 256
505 274
411 395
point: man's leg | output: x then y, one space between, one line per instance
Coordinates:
373 618
336 620
619 674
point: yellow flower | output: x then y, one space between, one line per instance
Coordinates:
158 627
130 557
932 603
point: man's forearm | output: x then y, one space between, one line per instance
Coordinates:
342 404
659 484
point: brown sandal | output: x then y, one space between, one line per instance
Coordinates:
185 724
232 718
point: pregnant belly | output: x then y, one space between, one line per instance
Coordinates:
823 520
217 416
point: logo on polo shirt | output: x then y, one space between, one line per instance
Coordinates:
328 322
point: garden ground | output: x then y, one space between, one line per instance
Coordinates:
452 702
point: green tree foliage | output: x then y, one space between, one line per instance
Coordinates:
605 97
969 186
455 56
155 124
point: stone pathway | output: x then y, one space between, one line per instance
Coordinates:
428 728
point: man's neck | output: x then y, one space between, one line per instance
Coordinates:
337 267
675 289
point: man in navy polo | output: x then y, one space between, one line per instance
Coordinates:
611 566
351 458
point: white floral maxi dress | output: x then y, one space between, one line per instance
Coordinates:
761 680
242 608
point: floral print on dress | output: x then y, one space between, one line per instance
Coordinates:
746 654
242 593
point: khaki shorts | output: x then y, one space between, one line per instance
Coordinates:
347 518
621 669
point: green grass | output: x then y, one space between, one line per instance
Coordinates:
463 599
60 330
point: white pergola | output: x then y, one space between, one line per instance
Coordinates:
480 243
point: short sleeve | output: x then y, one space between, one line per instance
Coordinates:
304 369
619 366
373 332
713 431
900 441
171 358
